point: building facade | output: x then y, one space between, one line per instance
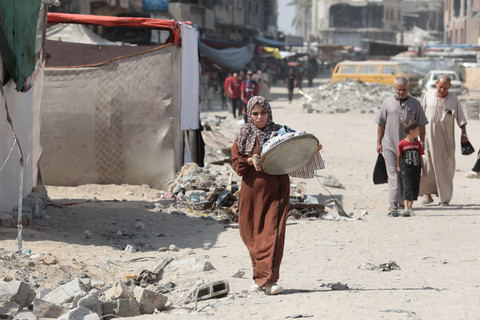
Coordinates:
340 22
462 21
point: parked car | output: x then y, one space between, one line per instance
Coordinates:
428 82
376 71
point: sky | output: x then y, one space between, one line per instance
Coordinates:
285 16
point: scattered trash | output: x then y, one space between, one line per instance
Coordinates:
391 265
336 286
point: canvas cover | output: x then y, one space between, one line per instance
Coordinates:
24 110
114 122
76 33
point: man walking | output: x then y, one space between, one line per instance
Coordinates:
248 90
442 109
395 111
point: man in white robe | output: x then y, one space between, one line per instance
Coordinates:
442 109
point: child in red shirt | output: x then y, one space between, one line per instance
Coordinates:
410 164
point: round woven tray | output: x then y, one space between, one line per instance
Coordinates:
289 155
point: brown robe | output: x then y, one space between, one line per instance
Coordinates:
262 218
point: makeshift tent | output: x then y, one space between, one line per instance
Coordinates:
22 22
123 120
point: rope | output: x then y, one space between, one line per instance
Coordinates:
8 157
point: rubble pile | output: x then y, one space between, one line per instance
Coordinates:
84 298
347 95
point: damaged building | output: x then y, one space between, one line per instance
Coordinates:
355 22
462 21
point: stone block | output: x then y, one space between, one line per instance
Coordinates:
17 291
121 308
210 290
25 314
149 300
45 309
87 282
65 293
118 291
8 309
91 302
79 313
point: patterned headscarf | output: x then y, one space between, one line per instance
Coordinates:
249 132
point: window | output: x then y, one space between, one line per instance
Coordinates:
368 70
389 70
348 69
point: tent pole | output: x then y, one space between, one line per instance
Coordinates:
20 210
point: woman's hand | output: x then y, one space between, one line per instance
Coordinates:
320 147
255 162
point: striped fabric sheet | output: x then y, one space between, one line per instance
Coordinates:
308 170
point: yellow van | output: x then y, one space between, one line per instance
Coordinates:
383 72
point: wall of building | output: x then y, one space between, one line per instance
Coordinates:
462 21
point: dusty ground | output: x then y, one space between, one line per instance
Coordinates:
438 250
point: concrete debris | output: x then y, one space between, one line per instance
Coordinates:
345 96
239 273
336 286
210 290
391 265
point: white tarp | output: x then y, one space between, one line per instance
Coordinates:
190 78
76 33
115 122
24 110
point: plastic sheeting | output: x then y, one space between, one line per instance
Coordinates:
76 33
230 58
115 122
18 32
24 110
423 66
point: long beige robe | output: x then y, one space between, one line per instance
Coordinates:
439 157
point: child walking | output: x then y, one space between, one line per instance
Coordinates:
410 164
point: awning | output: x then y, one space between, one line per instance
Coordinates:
230 58
270 42
109 21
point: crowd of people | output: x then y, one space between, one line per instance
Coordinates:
236 87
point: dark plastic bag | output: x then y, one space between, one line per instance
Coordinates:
467 148
380 171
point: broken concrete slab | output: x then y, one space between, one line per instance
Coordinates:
91 302
25 314
45 309
121 308
118 291
16 291
65 293
8 309
149 300
79 313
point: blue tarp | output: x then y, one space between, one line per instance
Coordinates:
270 42
230 58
